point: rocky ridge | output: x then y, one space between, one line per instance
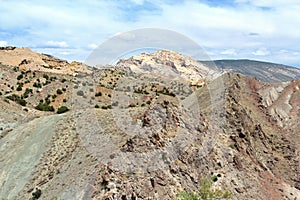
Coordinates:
133 134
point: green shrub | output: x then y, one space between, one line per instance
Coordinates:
19 88
45 76
37 85
205 192
52 78
80 93
97 106
187 196
109 107
17 99
20 77
54 96
62 109
98 94
27 92
64 100
104 107
58 91
44 107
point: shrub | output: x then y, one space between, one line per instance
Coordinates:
27 92
37 85
58 91
63 80
64 100
45 76
115 103
80 93
20 77
44 107
97 106
52 78
205 192
17 99
19 88
37 194
98 94
62 109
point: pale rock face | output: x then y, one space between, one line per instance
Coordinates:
169 64
281 100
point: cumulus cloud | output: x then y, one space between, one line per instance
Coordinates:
247 26
92 46
229 52
3 43
270 3
261 52
57 44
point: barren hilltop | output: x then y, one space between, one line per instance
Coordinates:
154 126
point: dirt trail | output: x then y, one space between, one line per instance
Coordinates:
21 150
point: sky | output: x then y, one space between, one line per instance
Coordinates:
267 30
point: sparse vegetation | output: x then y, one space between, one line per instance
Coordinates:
17 99
62 109
165 91
106 107
37 85
205 192
45 107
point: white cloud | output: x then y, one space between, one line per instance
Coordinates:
229 52
3 43
261 52
270 3
139 2
92 46
65 53
65 24
57 44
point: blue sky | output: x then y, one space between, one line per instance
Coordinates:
256 29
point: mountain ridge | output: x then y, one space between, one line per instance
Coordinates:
143 134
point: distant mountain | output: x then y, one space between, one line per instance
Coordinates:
264 71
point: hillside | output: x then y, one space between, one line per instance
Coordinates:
147 128
264 71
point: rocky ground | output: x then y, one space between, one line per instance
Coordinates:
142 134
